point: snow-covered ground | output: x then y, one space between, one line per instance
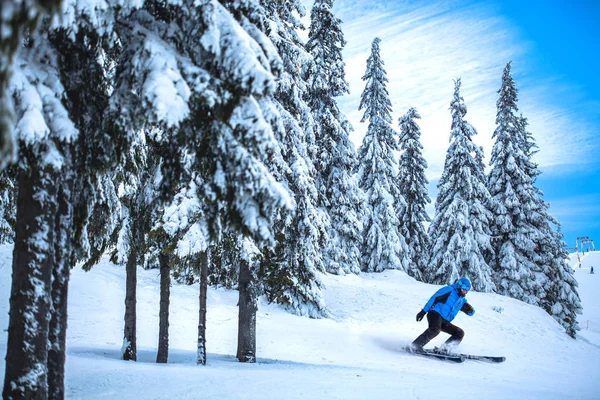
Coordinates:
354 355
589 291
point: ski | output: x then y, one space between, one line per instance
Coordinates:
445 357
492 359
483 358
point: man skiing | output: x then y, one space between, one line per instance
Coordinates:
441 308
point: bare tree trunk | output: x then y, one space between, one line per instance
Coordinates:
33 259
165 292
60 285
246 351
129 349
202 319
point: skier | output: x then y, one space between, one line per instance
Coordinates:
441 309
592 270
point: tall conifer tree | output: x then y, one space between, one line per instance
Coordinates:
511 186
561 298
530 263
412 185
383 247
459 231
289 270
336 156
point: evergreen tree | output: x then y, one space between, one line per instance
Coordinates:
42 241
139 196
336 158
412 185
510 182
459 231
289 272
383 247
561 298
531 262
179 240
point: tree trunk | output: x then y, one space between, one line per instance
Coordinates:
246 351
129 349
60 286
202 320
165 292
33 258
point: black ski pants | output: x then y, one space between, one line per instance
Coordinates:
438 324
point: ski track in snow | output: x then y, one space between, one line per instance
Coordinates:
356 354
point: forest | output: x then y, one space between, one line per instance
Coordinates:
204 139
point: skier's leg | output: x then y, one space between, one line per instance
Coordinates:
435 326
455 331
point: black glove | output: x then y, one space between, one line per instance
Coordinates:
420 315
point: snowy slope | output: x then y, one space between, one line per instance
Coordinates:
354 355
589 291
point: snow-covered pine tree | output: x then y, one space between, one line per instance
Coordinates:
85 99
512 188
412 185
252 17
383 247
559 287
45 135
459 232
561 298
179 240
72 54
138 176
85 55
336 156
516 212
288 271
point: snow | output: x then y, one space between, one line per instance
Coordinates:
164 88
589 320
194 241
355 354
38 93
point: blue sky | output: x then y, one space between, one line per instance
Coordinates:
554 46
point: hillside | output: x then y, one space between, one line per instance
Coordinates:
589 291
354 355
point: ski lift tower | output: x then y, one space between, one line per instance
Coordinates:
584 243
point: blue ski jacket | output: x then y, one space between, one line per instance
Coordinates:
447 302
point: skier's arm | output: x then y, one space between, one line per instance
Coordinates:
468 309
437 295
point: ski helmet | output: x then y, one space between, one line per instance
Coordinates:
464 283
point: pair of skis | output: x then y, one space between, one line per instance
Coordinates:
459 358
